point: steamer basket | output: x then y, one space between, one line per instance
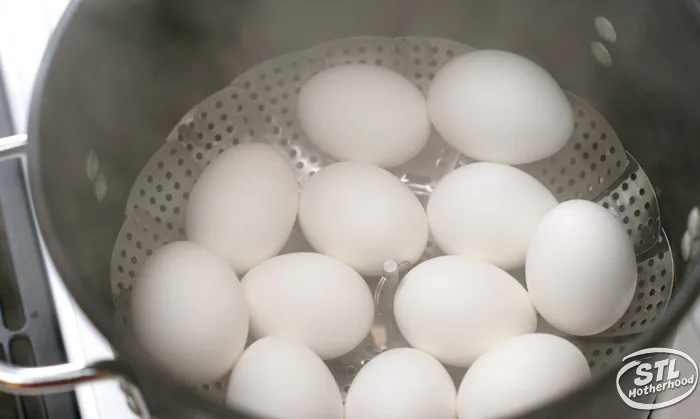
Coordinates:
260 105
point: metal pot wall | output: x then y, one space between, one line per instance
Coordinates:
118 75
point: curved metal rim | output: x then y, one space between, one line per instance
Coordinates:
130 354
684 296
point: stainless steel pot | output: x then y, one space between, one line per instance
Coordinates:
118 75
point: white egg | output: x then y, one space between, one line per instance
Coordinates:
519 375
457 308
311 298
281 379
500 107
402 383
189 312
364 113
362 215
244 205
488 211
581 270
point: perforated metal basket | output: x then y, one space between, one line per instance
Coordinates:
260 105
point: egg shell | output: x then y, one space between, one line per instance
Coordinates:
311 298
457 308
281 379
500 107
488 211
520 375
581 268
402 383
364 113
244 205
189 312
362 215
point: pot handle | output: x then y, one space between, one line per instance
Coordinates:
28 381
13 147
33 381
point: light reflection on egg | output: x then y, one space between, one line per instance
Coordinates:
362 215
499 107
520 375
365 113
457 308
402 383
311 298
581 269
